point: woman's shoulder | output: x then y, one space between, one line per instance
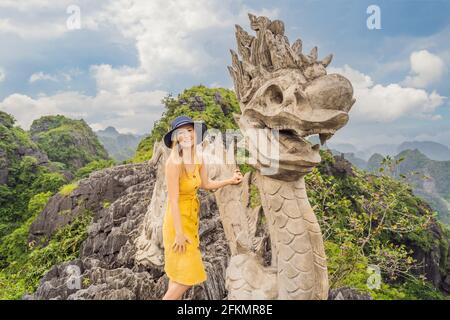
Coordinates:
172 163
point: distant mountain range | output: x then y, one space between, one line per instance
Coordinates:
433 150
429 178
119 146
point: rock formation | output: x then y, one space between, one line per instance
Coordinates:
279 88
122 256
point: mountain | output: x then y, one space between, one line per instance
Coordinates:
363 153
70 142
25 171
430 179
92 225
119 146
432 150
350 156
213 105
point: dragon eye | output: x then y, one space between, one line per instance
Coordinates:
273 95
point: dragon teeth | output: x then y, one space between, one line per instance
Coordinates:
324 137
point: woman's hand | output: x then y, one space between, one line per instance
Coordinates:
237 177
180 243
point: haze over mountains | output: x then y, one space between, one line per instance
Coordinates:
433 150
425 166
119 146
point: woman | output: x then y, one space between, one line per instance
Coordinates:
185 173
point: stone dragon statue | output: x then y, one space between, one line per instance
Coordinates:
278 87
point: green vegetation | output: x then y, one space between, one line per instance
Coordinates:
25 177
430 179
255 198
28 187
68 141
67 189
213 115
106 204
26 264
22 265
367 220
93 166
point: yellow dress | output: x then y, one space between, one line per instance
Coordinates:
185 268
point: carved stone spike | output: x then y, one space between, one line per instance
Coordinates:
277 27
297 46
244 42
327 60
313 54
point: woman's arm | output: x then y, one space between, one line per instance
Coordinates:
208 184
172 180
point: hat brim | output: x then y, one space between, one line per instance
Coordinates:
168 136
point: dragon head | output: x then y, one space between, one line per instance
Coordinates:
278 87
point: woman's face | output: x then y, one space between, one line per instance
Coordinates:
185 135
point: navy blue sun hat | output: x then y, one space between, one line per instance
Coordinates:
182 120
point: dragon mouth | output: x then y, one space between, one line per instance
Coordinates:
294 130
293 134
286 147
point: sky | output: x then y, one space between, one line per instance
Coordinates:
111 62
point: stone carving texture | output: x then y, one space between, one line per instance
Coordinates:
279 87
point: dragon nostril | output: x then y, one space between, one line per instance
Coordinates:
300 96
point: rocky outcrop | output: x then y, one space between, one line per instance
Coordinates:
15 145
119 146
197 103
108 267
340 168
346 293
434 262
226 108
68 141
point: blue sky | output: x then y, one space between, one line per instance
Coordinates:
127 55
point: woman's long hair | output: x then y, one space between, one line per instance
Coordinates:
176 152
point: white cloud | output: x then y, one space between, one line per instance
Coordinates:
46 19
376 102
136 110
29 4
39 76
123 80
45 30
59 76
170 37
426 69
